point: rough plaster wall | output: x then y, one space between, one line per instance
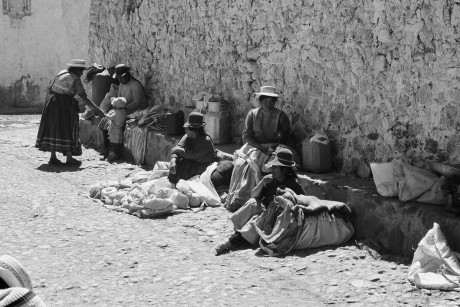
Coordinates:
36 47
380 77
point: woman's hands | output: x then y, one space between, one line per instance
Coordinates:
268 151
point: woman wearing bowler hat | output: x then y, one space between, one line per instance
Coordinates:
59 124
194 152
282 176
130 88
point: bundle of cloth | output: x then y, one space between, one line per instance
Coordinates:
154 117
150 194
294 222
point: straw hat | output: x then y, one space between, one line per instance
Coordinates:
77 63
13 273
267 90
20 297
283 157
195 120
121 70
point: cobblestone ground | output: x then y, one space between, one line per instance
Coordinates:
80 254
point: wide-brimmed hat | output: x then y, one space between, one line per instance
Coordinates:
283 157
13 273
195 120
77 63
267 90
20 297
121 70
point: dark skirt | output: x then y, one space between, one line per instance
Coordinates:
186 169
59 125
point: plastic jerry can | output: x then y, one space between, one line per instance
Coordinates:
174 123
317 154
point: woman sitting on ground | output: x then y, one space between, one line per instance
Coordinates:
265 129
282 176
194 152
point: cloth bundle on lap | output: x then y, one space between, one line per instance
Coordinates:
247 171
298 222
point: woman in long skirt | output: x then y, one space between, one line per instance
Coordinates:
59 124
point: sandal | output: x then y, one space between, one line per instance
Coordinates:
55 161
73 162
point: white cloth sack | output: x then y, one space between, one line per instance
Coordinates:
324 229
435 265
205 179
384 178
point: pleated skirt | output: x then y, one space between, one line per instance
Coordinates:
59 125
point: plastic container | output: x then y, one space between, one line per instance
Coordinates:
214 106
317 154
218 127
200 106
174 123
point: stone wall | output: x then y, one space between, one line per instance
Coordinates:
36 47
380 77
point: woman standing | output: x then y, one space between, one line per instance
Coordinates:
194 152
59 124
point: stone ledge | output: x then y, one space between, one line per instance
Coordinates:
398 226
395 225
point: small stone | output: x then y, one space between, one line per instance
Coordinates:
359 283
374 278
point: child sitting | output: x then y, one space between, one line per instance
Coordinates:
117 118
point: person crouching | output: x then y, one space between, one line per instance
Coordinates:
117 118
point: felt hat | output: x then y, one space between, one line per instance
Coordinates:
13 273
77 63
283 157
267 90
20 297
121 70
195 120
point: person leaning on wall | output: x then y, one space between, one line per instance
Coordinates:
106 102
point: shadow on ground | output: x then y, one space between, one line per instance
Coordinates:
45 167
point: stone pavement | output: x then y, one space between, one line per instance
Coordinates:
80 254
